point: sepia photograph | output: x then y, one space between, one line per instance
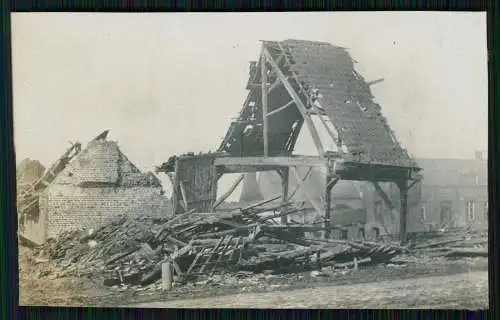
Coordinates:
330 160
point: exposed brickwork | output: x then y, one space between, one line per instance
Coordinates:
70 207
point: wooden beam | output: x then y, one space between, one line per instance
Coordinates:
183 193
316 206
273 86
414 182
375 81
289 103
403 191
229 192
263 80
176 196
383 195
330 182
215 178
297 187
300 161
242 169
285 173
314 104
302 108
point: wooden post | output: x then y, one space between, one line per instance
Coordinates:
176 188
285 173
166 275
215 179
330 182
263 80
328 206
403 192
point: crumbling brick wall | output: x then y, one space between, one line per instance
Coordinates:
69 207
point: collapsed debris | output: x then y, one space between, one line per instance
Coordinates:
132 250
453 244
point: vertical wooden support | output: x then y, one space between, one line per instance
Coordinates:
263 80
403 192
215 179
166 275
285 174
331 181
328 207
176 188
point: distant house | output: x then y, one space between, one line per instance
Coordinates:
453 193
98 184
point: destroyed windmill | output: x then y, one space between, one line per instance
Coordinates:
293 82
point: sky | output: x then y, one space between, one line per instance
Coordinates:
169 83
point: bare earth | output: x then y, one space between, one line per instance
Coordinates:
460 291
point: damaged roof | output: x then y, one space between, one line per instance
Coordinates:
28 171
345 96
103 163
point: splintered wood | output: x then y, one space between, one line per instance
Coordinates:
134 251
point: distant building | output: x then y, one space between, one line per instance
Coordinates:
453 193
98 184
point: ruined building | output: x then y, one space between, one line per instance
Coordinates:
97 184
28 171
452 194
297 85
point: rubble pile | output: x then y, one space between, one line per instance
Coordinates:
131 251
453 244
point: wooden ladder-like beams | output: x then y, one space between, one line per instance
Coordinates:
300 105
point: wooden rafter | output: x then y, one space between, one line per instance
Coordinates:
310 102
289 103
308 193
304 161
300 105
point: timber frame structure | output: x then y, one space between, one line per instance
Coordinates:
292 82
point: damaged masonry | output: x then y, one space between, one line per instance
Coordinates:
118 226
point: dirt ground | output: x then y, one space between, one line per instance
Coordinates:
461 291
411 285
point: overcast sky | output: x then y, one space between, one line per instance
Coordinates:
168 83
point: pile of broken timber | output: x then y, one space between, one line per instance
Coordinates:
132 251
251 239
454 244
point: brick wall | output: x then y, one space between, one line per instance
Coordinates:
68 207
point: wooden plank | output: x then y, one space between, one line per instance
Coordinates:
284 192
274 85
383 195
297 187
166 276
211 254
316 206
302 108
289 103
194 262
403 190
299 161
230 238
183 194
176 268
234 249
229 192
259 203
263 81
